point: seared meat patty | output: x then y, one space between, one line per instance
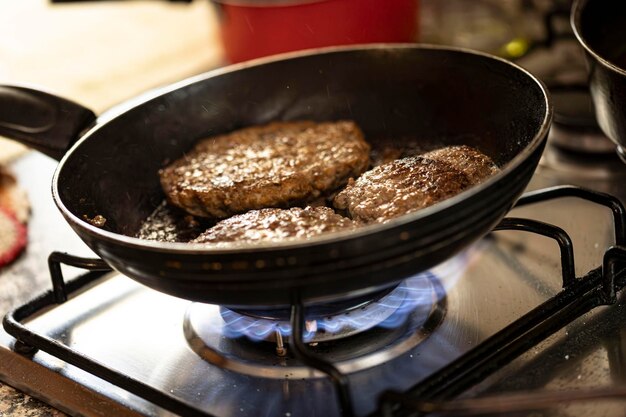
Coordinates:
400 187
275 225
403 186
476 165
276 165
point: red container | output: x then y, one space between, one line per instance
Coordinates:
252 29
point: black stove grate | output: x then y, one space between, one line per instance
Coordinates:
433 394
578 296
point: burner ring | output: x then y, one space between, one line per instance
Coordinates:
204 331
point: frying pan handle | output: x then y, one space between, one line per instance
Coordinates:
42 121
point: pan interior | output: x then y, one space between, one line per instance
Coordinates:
436 97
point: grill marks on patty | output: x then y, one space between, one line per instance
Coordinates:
277 165
409 184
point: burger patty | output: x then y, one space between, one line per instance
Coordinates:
277 165
406 185
473 163
275 225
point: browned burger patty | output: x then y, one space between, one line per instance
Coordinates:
473 163
276 165
403 186
275 224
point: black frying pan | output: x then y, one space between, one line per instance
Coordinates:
440 96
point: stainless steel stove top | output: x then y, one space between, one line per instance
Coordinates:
133 329
164 342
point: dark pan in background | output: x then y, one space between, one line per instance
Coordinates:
441 96
600 27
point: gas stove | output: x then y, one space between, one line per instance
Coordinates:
118 348
526 321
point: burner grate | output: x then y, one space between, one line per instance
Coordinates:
434 394
578 296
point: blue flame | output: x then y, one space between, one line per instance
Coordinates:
409 296
415 295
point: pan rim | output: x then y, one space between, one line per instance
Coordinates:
317 241
575 22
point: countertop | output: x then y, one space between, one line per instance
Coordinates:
98 54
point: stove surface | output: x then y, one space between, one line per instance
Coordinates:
136 330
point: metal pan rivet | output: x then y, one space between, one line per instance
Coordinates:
260 263
173 264
292 260
404 236
240 265
334 253
216 266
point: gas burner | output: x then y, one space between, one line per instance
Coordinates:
364 336
324 322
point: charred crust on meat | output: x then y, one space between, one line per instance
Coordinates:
406 185
281 164
274 224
